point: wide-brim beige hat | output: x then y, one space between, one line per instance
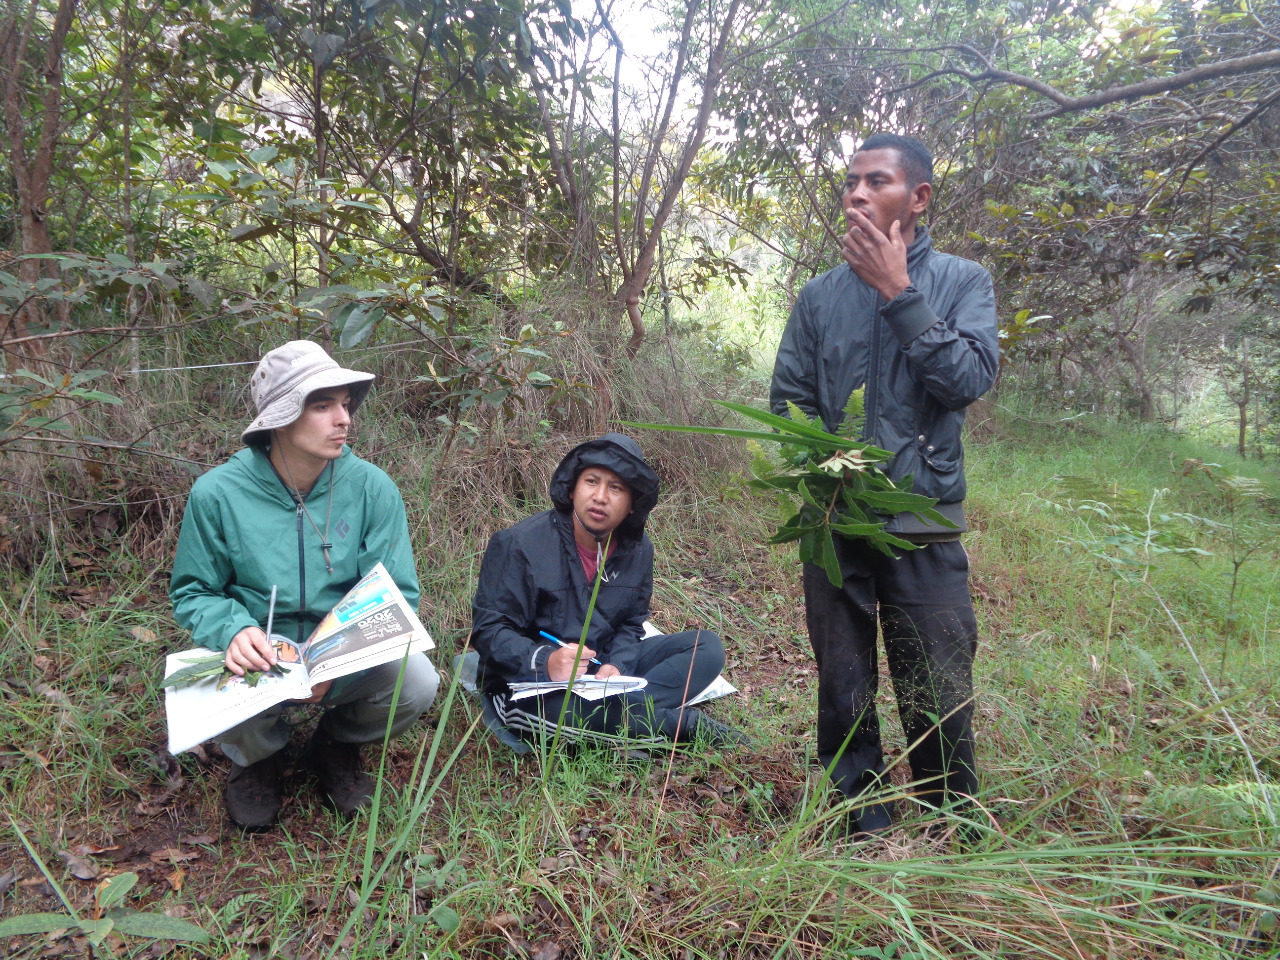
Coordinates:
287 375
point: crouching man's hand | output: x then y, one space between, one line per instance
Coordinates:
250 650
608 670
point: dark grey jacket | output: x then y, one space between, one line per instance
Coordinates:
923 358
531 578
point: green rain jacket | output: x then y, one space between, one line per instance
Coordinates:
243 531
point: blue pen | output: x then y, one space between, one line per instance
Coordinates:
560 643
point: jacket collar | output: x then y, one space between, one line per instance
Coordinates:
920 247
562 520
258 466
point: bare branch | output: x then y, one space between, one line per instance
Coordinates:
660 135
629 292
1253 63
92 331
1226 134
616 139
127 447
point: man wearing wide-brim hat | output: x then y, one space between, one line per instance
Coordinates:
297 510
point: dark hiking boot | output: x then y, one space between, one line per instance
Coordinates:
255 793
337 766
870 821
696 725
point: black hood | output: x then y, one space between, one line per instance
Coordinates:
621 454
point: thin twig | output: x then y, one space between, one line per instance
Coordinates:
127 447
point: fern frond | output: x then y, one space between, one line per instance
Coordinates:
854 415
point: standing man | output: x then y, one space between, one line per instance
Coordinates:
916 328
297 510
536 583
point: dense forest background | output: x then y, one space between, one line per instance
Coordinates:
535 220
516 201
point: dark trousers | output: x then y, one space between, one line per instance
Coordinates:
677 666
920 603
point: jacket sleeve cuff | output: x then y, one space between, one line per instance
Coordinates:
538 659
908 315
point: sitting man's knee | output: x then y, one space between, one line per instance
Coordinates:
709 649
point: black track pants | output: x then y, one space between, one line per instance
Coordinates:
920 601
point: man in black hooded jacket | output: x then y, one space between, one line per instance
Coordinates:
537 578
917 329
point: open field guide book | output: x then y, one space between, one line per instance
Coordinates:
372 625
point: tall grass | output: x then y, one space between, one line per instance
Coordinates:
1120 814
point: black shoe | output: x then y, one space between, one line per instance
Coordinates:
871 820
337 765
696 725
255 793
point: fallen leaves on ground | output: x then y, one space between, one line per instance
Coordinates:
173 855
144 635
91 849
546 950
82 868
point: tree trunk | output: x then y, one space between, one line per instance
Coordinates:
632 287
1133 355
640 240
32 164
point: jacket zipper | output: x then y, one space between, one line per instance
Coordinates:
302 580
872 398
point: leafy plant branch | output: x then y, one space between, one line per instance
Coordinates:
202 668
837 479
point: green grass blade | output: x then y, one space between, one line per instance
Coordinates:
45 870
833 445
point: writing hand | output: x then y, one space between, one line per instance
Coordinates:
560 663
879 261
249 650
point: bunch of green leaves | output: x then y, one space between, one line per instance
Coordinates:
833 481
109 915
32 404
261 193
215 666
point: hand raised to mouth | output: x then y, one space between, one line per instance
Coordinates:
879 261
